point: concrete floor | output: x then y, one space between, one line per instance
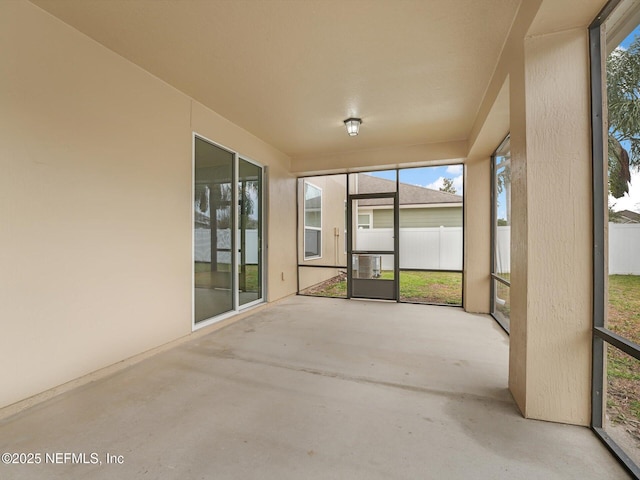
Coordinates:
311 388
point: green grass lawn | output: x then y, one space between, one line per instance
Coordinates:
423 287
503 293
624 306
431 287
623 371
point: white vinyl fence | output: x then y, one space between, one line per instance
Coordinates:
441 248
422 248
624 249
503 250
435 248
202 249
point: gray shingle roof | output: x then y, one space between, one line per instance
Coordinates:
409 194
627 216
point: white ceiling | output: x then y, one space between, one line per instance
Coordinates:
291 71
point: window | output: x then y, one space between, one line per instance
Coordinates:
364 221
501 234
312 221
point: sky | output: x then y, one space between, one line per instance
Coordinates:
429 177
627 41
631 200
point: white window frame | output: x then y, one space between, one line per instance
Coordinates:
319 229
369 224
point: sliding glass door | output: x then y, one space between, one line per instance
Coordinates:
213 223
227 240
249 232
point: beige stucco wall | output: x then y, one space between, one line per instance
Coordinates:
382 158
95 204
518 359
559 257
477 231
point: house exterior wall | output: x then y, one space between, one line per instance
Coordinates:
334 191
419 217
96 156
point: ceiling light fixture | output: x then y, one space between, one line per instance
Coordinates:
353 125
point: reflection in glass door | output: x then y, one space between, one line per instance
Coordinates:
227 241
213 223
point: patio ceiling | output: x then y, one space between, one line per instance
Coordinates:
290 71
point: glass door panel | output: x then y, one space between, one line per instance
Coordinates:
249 232
213 223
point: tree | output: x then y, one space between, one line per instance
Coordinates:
623 104
214 202
447 186
219 195
614 217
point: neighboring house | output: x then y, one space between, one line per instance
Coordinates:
625 216
419 206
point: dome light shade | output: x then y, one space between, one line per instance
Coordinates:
353 125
